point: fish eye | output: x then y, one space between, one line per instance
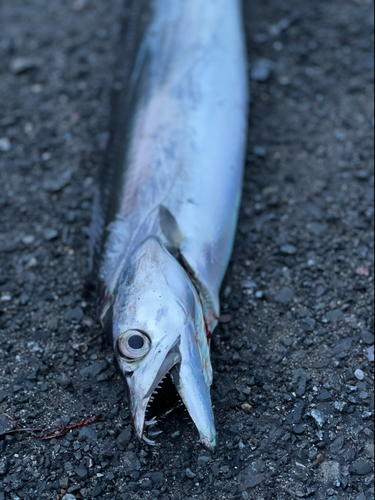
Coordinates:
136 342
133 345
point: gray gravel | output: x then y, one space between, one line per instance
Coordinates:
293 390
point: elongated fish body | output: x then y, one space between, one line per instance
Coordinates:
175 202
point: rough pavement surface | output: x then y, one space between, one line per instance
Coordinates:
293 389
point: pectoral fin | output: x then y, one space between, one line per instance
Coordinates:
170 228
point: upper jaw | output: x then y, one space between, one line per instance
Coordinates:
172 359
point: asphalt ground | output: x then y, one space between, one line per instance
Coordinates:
293 383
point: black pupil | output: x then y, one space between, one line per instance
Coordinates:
136 342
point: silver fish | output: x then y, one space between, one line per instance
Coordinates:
175 203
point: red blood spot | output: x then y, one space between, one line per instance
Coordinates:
363 271
208 333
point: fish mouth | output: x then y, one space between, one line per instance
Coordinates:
176 386
164 400
161 399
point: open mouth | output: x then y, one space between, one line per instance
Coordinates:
177 384
163 401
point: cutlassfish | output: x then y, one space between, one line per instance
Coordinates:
176 169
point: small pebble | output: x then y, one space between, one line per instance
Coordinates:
337 482
367 415
295 416
22 64
64 483
37 88
33 346
260 151
249 284
299 429
261 70
78 5
63 380
75 314
24 299
367 337
324 396
359 374
318 417
28 239
46 156
32 262
81 472
57 183
284 80
340 135
190 474
340 406
225 318
260 37
82 347
320 458
203 461
50 234
362 175
246 408
88 321
334 316
361 467
284 296
5 144
288 342
363 271
288 249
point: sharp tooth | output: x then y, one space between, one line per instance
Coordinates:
151 423
148 441
155 433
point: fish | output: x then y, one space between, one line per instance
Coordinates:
173 177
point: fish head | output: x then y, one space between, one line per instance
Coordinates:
159 332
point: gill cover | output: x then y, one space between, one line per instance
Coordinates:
157 308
